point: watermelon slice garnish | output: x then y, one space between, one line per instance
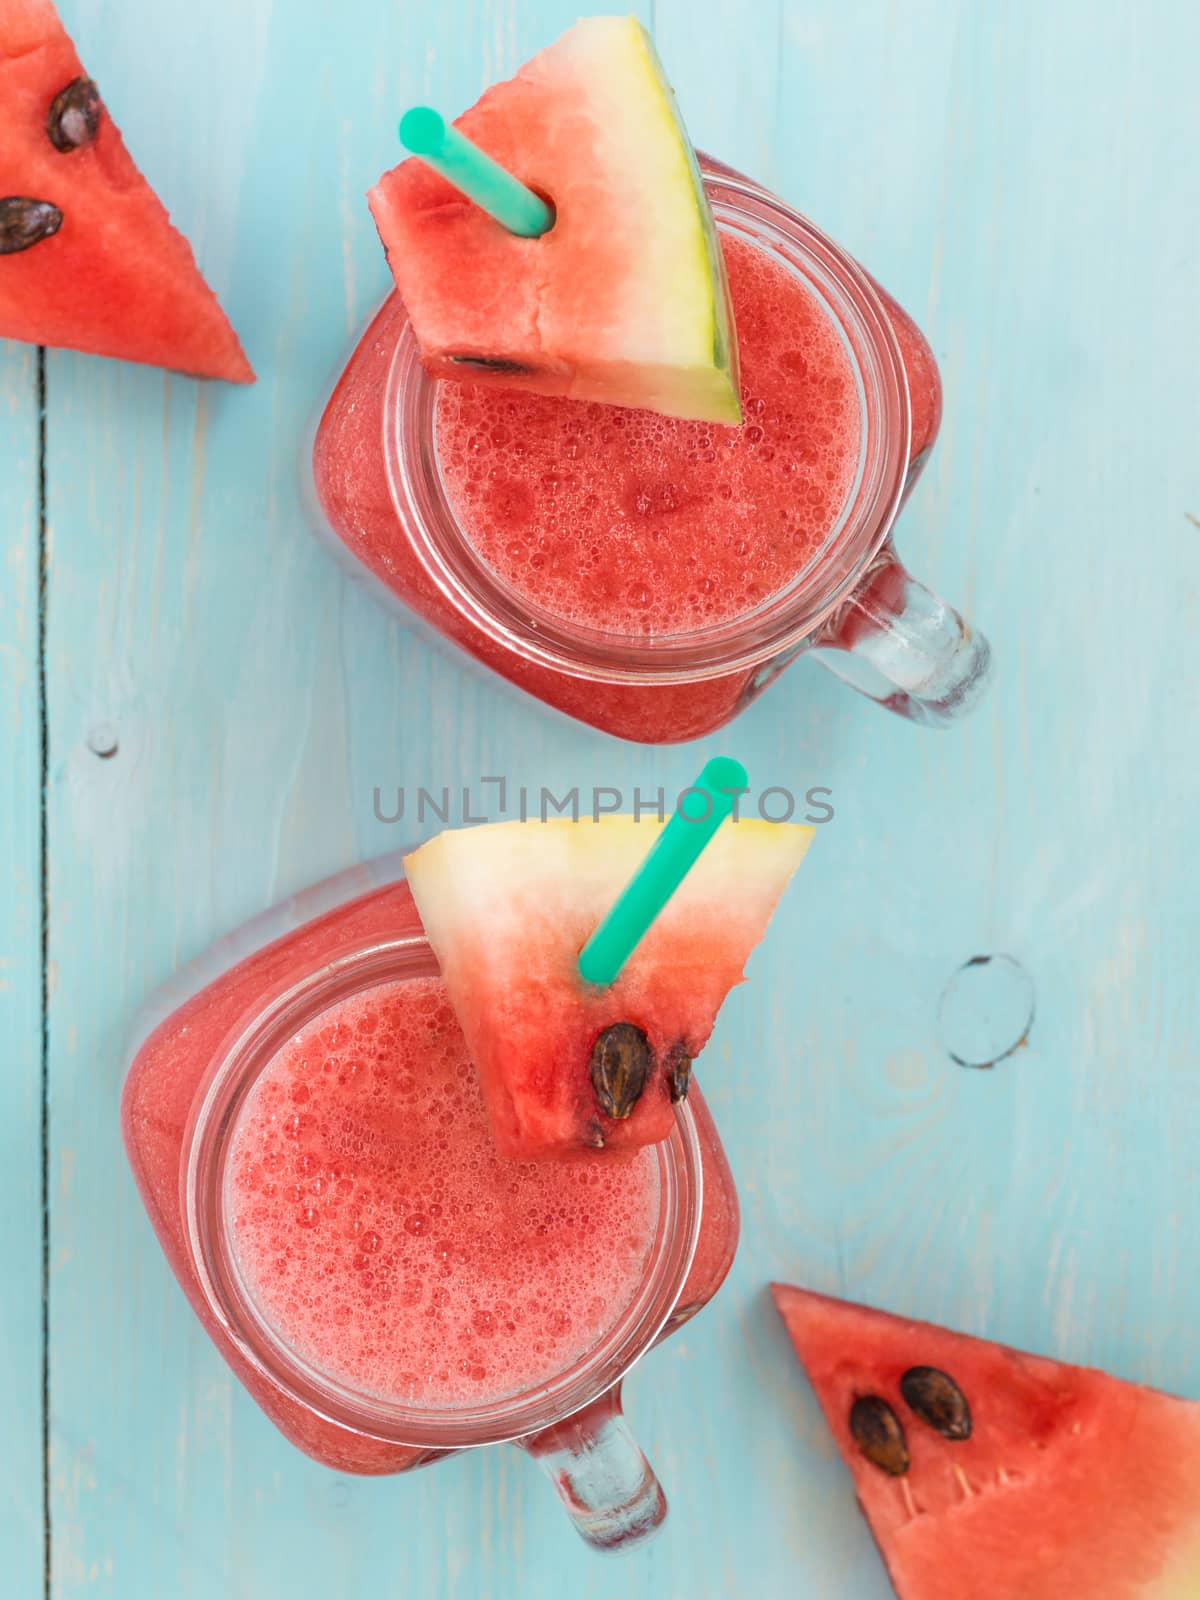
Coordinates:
625 299
564 1066
987 1474
88 257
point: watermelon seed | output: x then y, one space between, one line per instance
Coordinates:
25 222
620 1066
679 1073
490 364
74 116
879 1434
937 1400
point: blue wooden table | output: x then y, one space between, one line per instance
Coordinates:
196 708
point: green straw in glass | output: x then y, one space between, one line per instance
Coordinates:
440 145
673 855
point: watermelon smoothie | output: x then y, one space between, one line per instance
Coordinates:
387 1242
651 576
643 524
280 1214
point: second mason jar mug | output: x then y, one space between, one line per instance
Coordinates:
203 1050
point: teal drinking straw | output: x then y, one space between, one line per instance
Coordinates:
441 146
673 855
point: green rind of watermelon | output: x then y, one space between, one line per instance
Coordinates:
115 279
1071 1484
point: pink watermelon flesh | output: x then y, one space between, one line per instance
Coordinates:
88 257
590 310
1070 1484
507 908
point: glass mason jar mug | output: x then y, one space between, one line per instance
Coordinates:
379 492
201 1048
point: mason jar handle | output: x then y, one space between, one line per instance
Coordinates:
898 643
601 1476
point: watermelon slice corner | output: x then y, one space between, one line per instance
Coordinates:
625 299
989 1474
89 259
566 1067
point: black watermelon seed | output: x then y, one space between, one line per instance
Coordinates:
74 115
879 1434
679 1073
620 1065
490 364
25 222
937 1400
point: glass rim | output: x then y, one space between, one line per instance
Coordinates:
780 624
208 1136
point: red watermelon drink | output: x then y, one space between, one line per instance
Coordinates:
635 523
311 1147
646 572
387 1242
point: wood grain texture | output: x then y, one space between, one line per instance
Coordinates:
21 1495
1017 176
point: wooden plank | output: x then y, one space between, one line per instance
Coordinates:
21 1493
258 698
1041 1202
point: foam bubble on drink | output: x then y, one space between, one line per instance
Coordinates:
384 1238
641 524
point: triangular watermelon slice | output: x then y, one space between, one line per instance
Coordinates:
88 257
625 299
987 1474
564 1066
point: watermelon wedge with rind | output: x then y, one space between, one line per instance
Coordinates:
107 272
1071 1482
625 299
507 908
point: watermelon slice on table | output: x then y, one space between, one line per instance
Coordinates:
565 1066
88 257
986 1474
624 300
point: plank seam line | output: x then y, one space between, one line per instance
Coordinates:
44 906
